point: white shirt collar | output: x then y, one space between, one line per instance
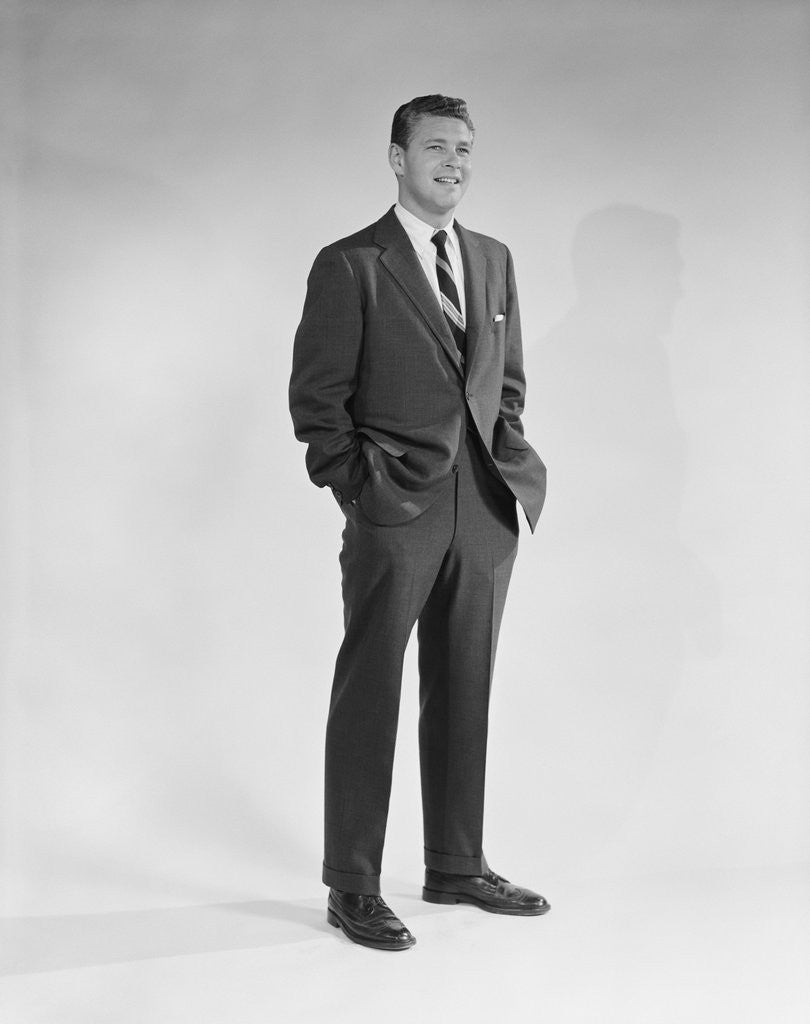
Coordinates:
418 231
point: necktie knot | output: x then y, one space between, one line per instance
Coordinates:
439 239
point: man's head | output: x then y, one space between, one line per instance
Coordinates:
430 150
408 115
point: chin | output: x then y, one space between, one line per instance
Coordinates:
446 203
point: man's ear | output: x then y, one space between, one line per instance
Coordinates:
395 154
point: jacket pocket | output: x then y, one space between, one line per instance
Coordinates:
505 436
516 442
383 441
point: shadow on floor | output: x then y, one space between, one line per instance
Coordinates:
30 945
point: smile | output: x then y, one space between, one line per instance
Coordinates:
448 181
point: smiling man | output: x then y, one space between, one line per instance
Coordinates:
407 387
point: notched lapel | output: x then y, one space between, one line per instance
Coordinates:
402 263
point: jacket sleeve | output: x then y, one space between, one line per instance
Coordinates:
513 391
326 359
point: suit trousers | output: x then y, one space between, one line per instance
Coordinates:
448 569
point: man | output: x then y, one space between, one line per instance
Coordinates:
408 386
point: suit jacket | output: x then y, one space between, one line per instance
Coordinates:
378 391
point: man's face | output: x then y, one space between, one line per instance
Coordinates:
434 170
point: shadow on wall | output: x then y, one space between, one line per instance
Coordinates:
620 592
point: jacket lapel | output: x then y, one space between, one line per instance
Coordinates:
475 279
402 263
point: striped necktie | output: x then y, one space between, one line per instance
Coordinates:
447 287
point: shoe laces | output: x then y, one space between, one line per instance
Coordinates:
370 902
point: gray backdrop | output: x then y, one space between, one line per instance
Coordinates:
170 585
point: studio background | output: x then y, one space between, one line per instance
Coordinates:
170 584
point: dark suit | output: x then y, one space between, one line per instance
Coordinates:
426 461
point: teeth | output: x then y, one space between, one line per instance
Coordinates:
453 181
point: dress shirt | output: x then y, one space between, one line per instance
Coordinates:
420 235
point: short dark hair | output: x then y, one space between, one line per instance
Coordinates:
426 106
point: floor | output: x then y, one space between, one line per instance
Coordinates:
714 947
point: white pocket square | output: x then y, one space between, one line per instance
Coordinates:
497 317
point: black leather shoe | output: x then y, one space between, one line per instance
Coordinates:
488 891
367 920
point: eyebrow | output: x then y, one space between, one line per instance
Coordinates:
429 142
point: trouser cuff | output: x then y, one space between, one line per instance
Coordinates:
452 864
348 881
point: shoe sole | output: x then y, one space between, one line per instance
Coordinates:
451 898
336 922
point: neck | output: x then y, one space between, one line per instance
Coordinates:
436 220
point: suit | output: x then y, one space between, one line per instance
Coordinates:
426 456
378 391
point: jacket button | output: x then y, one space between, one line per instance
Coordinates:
454 469
468 395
